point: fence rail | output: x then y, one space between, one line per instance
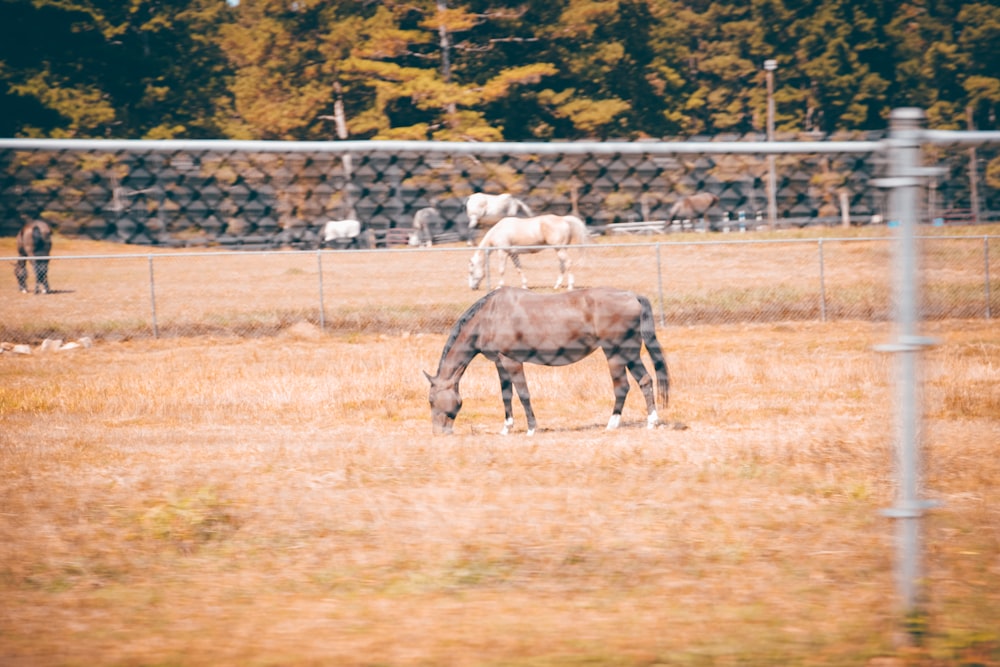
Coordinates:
183 293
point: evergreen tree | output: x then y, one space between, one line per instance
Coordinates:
92 68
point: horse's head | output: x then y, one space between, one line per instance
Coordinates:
445 404
476 272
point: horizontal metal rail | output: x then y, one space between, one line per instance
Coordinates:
453 147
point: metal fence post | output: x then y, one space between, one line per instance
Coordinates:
986 272
904 180
152 298
822 285
322 301
659 286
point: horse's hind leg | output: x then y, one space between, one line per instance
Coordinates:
515 371
619 378
645 382
21 273
41 276
516 259
565 269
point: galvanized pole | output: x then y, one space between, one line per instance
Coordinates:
772 178
152 298
822 284
905 174
986 272
659 286
322 301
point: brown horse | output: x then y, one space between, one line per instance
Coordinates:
511 327
513 236
34 240
693 206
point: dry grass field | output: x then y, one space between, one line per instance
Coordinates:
279 500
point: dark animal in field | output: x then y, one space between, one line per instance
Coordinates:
693 206
511 237
512 326
34 241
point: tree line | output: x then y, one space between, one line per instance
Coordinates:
484 70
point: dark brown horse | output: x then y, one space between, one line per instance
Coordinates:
511 326
34 240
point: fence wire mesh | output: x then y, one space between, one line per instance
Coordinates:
393 291
185 194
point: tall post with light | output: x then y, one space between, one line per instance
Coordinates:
772 180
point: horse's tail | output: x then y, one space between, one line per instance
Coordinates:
40 239
647 326
578 230
520 205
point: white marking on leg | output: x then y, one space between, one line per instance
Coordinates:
614 422
531 432
507 423
652 420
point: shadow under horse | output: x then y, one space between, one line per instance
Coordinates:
34 242
511 327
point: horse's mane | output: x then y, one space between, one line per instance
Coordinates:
462 321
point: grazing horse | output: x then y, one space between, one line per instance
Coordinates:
693 206
423 219
34 240
486 210
513 236
511 327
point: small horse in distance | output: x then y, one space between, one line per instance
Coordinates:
423 235
34 240
485 210
692 206
512 326
341 233
513 236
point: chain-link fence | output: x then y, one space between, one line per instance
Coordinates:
424 290
267 195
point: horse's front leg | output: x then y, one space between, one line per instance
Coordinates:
515 371
502 268
516 259
507 394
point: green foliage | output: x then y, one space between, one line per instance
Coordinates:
488 70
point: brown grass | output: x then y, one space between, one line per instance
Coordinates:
280 501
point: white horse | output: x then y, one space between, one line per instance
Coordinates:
422 221
514 236
486 210
343 232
